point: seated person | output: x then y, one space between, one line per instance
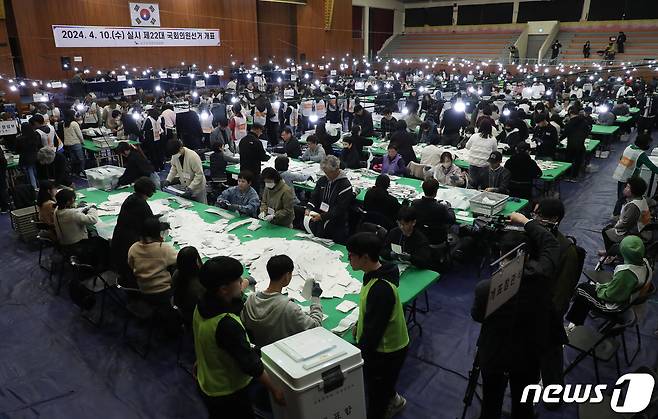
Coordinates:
431 154
523 170
634 214
387 123
314 152
382 207
358 141
499 177
136 164
218 162
350 157
150 259
188 290
270 315
277 204
405 243
447 173
75 231
242 198
546 137
393 163
46 202
291 146
428 134
629 281
404 141
434 218
281 164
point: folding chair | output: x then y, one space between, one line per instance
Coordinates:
100 283
45 240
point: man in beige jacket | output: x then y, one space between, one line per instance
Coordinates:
186 167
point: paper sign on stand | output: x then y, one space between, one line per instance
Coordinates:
200 83
8 127
121 78
505 284
130 91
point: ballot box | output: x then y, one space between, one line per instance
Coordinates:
104 177
320 373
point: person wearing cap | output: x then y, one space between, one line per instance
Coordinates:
226 363
630 280
499 176
186 168
480 146
523 171
136 165
252 153
546 137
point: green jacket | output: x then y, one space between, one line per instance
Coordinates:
280 200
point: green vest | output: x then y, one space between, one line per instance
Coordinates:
396 335
217 373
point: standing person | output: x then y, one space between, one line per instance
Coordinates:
153 139
387 123
270 316
28 144
632 160
276 206
168 124
92 112
53 165
586 49
576 131
188 290
187 169
226 361
4 196
330 202
381 331
404 141
73 142
514 338
136 164
480 146
555 50
434 217
252 154
546 137
130 223
621 39
363 118
523 171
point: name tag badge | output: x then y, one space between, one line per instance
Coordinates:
270 211
396 248
324 207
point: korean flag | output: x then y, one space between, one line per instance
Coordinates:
144 14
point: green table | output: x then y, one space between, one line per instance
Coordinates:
89 145
99 153
513 205
623 119
604 129
634 110
413 281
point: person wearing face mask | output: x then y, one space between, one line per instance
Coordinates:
350 158
447 173
405 243
149 260
226 361
276 206
186 169
242 198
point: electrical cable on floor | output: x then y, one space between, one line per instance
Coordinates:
457 373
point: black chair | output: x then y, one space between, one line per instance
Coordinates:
46 238
97 284
521 189
380 231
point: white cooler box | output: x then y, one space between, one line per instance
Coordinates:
104 177
320 373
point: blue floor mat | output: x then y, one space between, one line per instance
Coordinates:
54 364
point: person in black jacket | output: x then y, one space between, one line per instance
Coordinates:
545 135
325 140
514 337
406 243
53 165
4 196
28 144
363 118
291 146
252 154
387 124
404 141
382 208
576 131
330 201
136 164
134 211
350 157
358 140
523 170
434 217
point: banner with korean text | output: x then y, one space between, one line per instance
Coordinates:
113 36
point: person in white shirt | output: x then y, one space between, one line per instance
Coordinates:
538 90
624 90
480 146
187 168
169 118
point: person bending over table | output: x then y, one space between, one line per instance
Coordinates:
358 140
447 173
381 331
314 152
350 158
150 259
186 167
53 165
75 231
404 141
330 201
381 207
634 214
277 204
291 147
136 164
270 316
242 198
226 361
130 223
632 160
405 243
434 218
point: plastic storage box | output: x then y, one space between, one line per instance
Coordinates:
320 373
22 221
104 177
488 203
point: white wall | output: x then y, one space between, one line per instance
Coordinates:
381 4
541 28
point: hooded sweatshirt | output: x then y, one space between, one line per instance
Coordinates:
629 277
273 316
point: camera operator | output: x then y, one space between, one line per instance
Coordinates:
513 338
